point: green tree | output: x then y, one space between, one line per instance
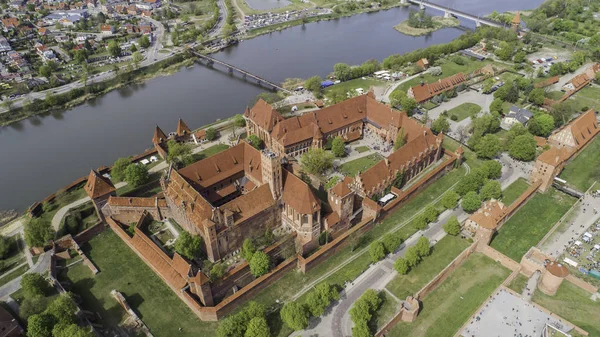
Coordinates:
496 106
488 146
5 244
144 41
37 232
117 172
71 330
431 213
412 257
256 142
376 251
401 266
238 122
188 245
137 57
63 309
114 49
423 246
471 202
396 97
136 175
541 125
33 285
338 147
80 56
470 182
342 71
452 227
536 96
258 327
421 221
259 264
320 298
361 329
400 139
408 104
450 200
519 57
493 169
523 148
178 152
440 125
313 84
562 112
491 190
505 52
133 49
391 242
211 134
217 271
45 71
40 325
248 249
316 161
294 315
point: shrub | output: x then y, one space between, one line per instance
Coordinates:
454 117
320 298
294 315
450 200
391 242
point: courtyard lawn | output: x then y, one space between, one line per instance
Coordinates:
210 151
362 164
464 110
584 169
449 306
442 254
573 304
361 149
529 225
121 269
518 283
590 97
294 281
514 190
469 156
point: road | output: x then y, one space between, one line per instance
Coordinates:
40 267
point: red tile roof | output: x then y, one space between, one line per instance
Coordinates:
426 91
263 114
159 136
298 194
182 128
97 185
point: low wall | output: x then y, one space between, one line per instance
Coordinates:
443 275
499 257
89 233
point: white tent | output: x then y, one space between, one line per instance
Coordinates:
578 243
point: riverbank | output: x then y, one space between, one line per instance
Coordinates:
78 96
438 23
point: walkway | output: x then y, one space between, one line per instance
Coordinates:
385 96
40 267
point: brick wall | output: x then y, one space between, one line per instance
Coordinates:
89 233
582 284
499 257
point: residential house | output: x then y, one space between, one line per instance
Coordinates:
423 64
516 115
107 30
10 23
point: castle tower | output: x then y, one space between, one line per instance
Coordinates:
516 22
552 278
159 136
99 189
271 172
182 128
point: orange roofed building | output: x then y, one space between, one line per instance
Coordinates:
564 142
348 119
241 193
426 91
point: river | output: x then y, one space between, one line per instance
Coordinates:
44 153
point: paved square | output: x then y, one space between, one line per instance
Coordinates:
507 315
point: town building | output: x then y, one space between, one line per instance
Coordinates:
425 91
515 116
564 143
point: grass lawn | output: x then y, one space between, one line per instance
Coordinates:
362 164
386 311
555 95
464 110
584 169
442 254
590 97
362 149
529 225
149 297
573 304
294 281
518 283
13 274
514 190
209 151
449 306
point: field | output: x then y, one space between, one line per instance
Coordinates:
386 311
295 281
573 304
464 110
148 295
361 164
513 191
518 283
442 254
449 306
529 225
584 169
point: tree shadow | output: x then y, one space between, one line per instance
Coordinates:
135 300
